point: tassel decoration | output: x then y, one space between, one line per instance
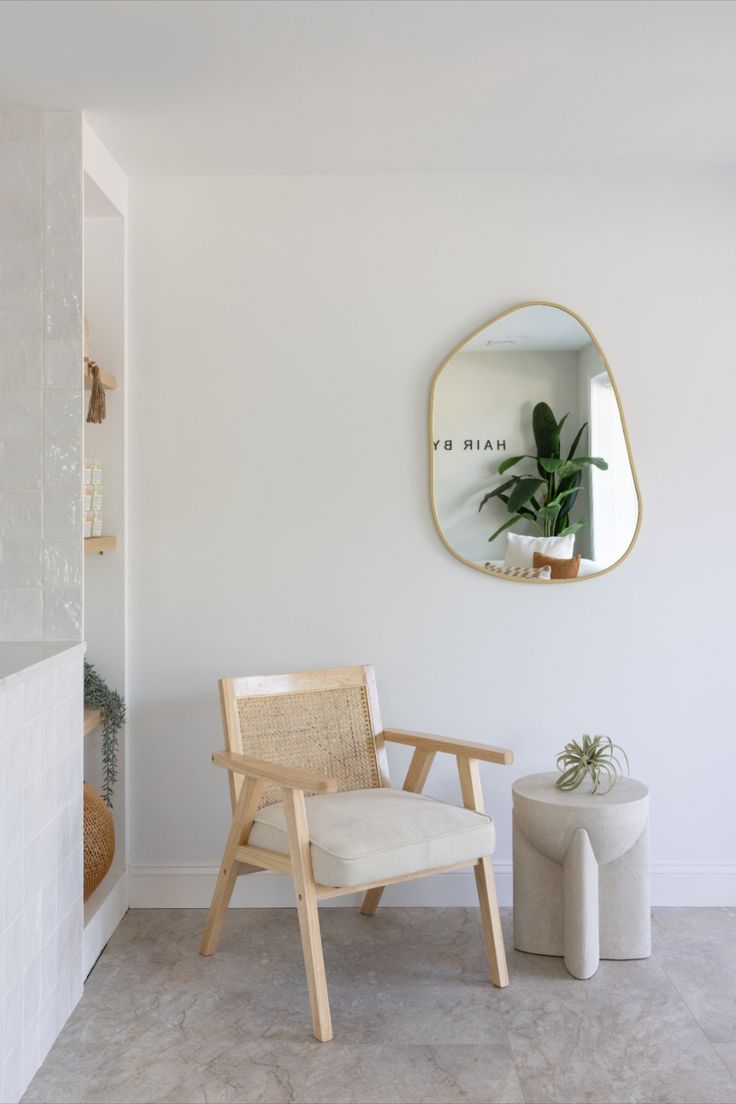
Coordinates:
96 410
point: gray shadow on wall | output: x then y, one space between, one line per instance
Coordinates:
180 809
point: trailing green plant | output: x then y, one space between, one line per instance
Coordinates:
595 756
98 695
545 499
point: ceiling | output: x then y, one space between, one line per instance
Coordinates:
533 329
381 86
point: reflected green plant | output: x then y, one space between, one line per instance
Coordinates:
545 499
595 756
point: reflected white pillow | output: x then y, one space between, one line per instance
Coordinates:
520 550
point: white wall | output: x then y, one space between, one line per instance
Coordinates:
284 335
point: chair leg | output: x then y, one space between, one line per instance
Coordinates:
247 803
484 880
306 898
416 776
371 901
486 885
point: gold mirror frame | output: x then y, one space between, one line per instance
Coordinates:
458 348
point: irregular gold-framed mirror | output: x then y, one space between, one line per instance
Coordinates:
531 473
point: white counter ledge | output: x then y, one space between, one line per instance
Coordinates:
23 658
41 775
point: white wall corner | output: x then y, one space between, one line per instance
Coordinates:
101 166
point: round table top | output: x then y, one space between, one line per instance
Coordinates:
542 788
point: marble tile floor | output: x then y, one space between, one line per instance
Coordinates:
416 1020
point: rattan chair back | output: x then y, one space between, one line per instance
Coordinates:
325 721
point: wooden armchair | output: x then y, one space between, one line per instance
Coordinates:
320 733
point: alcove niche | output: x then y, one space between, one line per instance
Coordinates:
105 215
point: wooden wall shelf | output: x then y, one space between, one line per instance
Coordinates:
92 718
95 546
107 379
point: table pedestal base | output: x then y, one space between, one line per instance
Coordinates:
579 910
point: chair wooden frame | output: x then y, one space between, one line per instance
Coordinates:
247 776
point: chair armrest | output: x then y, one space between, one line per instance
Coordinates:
294 778
460 748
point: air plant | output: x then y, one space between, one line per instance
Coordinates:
595 756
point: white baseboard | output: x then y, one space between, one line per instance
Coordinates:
191 887
99 928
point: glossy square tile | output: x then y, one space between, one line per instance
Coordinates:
13 966
40 298
63 462
21 614
62 133
62 514
13 755
21 515
63 363
13 1010
62 411
32 701
21 415
21 144
21 564
49 691
31 991
21 315
21 362
14 888
62 565
13 1074
13 701
62 290
62 614
63 214
35 751
21 464
21 243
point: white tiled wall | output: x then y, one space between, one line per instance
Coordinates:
41 397
41 882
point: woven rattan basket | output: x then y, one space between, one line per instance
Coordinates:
99 840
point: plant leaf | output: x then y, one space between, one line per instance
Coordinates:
574 528
575 480
507 525
562 495
551 463
523 491
550 511
499 490
596 461
510 461
546 430
576 442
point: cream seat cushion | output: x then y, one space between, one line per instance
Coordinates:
367 835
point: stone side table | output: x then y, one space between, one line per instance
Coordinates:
581 872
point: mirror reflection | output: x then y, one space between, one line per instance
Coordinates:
531 471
